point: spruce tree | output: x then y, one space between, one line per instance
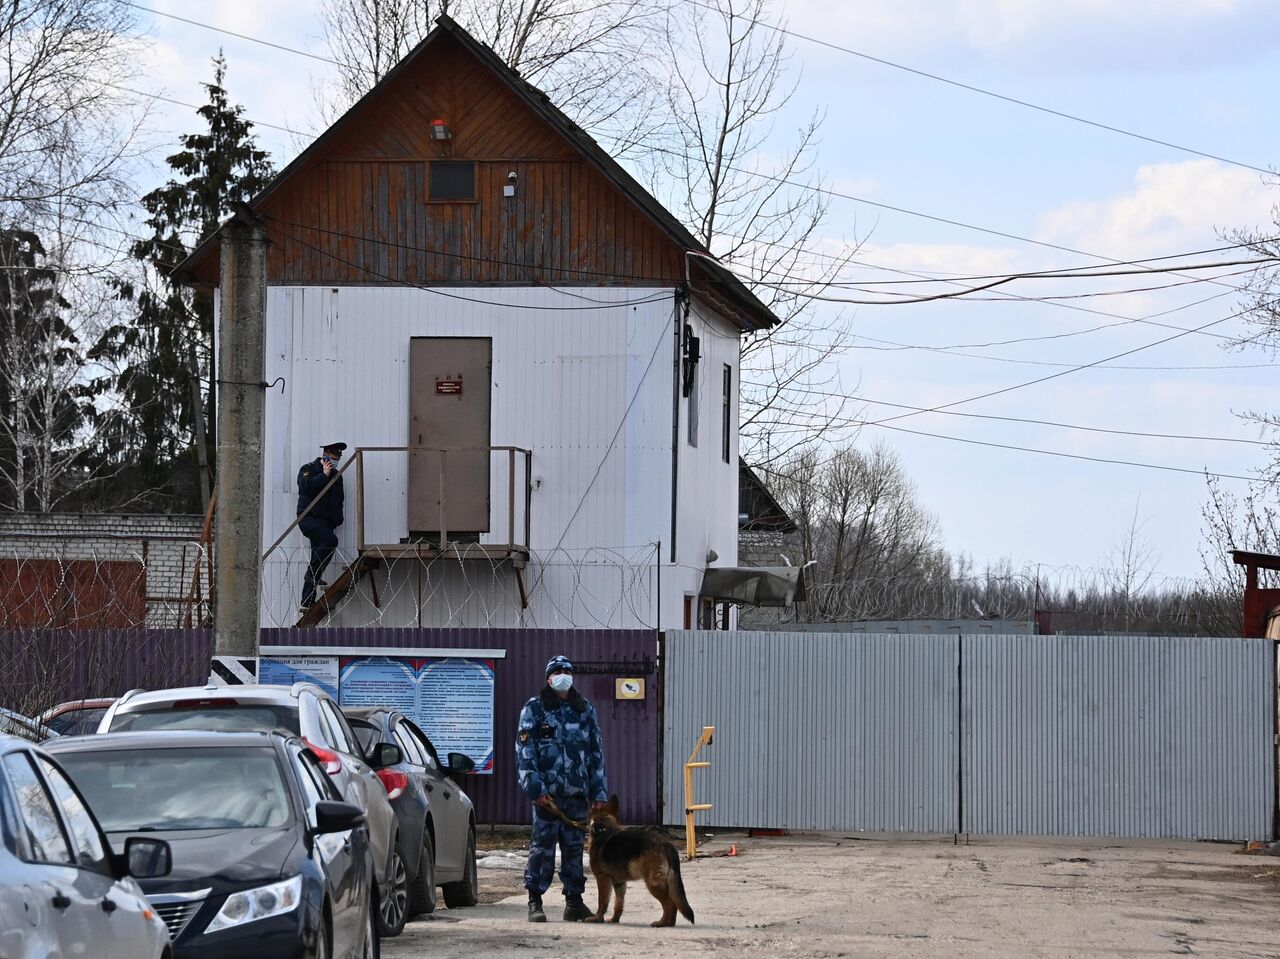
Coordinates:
164 356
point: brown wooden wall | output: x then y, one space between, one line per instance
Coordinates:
358 213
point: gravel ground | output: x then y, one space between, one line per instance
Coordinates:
830 895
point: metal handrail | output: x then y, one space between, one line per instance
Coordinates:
303 515
357 459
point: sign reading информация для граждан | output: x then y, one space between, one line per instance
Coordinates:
451 698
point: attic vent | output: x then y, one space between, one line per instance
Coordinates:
452 180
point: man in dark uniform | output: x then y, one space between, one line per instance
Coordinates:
324 517
559 757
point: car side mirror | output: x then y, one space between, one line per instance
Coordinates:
332 816
385 754
146 858
460 763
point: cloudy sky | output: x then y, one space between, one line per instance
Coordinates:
1198 73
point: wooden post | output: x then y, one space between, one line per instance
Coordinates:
690 807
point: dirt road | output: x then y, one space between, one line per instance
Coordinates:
841 896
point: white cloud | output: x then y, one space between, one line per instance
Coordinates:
1171 207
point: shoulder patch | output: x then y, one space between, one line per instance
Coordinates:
524 735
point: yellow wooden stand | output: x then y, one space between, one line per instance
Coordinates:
690 807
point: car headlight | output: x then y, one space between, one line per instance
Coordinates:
261 903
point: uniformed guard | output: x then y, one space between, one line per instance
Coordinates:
559 758
324 517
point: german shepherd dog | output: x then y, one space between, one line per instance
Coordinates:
621 853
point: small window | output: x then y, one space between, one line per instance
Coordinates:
452 180
726 413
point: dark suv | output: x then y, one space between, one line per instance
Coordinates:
437 819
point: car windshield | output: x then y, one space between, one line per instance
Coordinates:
159 790
239 717
77 722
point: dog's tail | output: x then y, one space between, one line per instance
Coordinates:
677 884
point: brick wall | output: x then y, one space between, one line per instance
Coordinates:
167 546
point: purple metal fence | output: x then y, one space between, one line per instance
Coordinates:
44 667
629 727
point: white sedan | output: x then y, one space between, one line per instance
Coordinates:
63 893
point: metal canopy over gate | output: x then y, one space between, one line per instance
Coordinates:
1001 735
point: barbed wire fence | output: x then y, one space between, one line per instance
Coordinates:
467 586
1075 599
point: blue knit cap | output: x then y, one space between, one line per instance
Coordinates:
558 662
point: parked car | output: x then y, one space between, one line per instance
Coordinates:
267 860
437 842
303 709
24 727
76 718
63 891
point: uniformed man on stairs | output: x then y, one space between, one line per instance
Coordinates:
323 518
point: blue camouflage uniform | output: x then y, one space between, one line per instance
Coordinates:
559 753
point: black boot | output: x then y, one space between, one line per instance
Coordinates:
535 908
575 910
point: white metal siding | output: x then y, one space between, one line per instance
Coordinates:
562 382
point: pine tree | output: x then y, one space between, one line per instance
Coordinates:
165 354
43 399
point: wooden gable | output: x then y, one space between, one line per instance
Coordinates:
356 208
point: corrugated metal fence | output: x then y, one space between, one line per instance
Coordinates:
1047 735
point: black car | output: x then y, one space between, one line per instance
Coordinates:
268 863
437 836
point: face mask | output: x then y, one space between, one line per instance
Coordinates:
561 682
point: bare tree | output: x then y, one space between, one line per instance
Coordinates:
1131 565
730 82
589 56
66 126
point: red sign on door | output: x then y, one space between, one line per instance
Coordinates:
449 387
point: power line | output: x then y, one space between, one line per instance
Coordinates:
471 299
755 173
1023 419
1067 372
991 93
232 33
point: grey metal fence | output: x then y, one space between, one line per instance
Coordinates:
815 731
1019 735
1118 736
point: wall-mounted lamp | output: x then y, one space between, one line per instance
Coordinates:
440 130
509 188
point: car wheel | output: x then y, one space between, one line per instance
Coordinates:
393 902
466 891
422 891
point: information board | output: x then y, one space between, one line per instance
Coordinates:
450 698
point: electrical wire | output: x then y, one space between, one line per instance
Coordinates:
1020 419
989 93
657 149
654 298
1066 372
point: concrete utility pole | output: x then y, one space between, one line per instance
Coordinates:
237 534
